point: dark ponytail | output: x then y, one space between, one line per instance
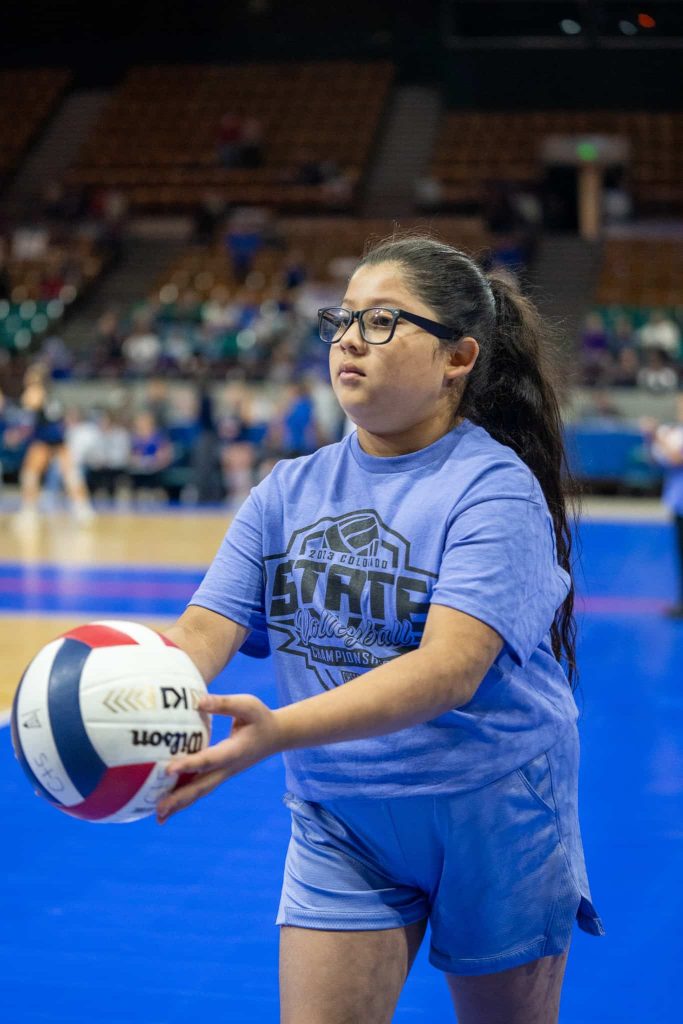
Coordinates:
512 390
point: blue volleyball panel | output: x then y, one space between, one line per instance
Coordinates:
82 763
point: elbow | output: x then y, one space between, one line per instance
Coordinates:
459 674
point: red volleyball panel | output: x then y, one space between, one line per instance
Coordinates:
116 787
99 636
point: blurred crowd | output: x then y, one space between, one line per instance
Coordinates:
196 443
616 353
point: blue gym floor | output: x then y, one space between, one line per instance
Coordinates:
147 925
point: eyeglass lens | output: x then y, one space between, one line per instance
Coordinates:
375 324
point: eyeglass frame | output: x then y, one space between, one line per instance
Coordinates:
430 326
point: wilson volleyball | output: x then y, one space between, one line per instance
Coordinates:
98 714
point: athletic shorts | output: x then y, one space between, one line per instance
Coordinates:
499 871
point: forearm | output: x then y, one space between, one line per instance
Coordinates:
209 639
410 689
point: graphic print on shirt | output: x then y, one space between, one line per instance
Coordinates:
346 596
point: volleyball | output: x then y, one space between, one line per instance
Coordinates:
98 714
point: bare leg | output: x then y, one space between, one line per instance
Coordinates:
74 486
344 977
31 474
529 994
36 461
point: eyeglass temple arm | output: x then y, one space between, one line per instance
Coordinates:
439 330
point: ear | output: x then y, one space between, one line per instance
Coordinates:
461 360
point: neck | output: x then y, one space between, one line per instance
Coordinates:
403 442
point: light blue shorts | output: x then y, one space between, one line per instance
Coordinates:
499 871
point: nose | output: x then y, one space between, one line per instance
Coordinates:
352 340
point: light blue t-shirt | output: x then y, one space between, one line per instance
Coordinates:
333 562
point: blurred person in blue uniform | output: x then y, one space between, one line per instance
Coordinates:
46 445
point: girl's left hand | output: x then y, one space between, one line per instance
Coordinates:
253 737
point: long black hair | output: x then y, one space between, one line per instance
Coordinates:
513 388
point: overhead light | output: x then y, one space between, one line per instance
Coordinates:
646 21
570 27
627 28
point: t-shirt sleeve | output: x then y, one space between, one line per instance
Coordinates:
500 566
233 585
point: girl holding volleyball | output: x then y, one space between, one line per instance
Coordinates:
414 584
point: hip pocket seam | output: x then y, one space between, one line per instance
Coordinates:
552 810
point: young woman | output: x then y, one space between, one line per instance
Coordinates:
47 443
414 584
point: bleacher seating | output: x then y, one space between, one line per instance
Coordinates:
26 99
43 283
320 241
476 147
158 139
641 272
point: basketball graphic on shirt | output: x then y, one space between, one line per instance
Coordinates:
356 533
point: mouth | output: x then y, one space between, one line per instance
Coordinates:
347 371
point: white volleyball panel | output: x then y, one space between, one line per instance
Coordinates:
122 743
139 683
35 733
140 704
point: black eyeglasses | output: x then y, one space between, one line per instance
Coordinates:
377 324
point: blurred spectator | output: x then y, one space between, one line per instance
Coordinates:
622 335
81 434
157 402
243 239
30 241
240 439
57 357
337 189
141 350
208 215
617 205
251 145
660 332
5 279
329 417
626 369
151 452
428 193
601 406
107 346
657 373
108 455
293 431
594 351
230 134
206 454
110 207
294 271
8 436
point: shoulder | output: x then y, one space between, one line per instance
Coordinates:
310 465
289 475
487 469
